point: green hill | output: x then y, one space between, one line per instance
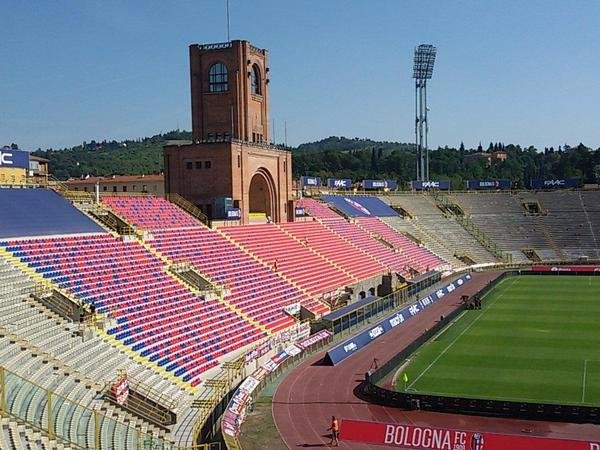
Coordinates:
344 157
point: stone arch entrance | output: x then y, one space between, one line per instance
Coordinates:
262 194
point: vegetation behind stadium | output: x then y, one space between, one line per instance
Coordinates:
348 158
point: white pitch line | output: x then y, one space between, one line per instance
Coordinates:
584 376
460 335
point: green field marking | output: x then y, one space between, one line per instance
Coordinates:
536 339
483 311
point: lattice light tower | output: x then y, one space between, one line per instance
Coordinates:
422 71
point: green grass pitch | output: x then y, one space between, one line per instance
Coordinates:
536 339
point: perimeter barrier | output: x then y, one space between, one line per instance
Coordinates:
473 406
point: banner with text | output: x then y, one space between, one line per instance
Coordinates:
339 183
14 159
432 438
591 269
443 185
379 184
558 183
310 181
488 184
350 346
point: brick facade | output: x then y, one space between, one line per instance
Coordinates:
229 156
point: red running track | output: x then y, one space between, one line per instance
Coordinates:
307 398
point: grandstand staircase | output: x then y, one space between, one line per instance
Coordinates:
220 297
458 213
550 239
139 403
196 282
57 302
110 220
188 207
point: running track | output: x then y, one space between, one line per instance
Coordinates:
307 398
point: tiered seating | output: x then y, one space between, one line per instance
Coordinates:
392 260
149 212
290 257
254 288
317 209
84 367
504 220
573 221
40 212
333 247
440 233
421 259
156 316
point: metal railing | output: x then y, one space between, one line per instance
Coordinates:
70 423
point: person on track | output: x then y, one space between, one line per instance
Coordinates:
335 431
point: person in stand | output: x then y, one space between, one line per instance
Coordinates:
275 265
335 431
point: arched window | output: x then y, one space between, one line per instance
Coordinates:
255 76
218 78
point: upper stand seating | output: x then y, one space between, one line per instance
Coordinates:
504 220
148 212
290 257
219 259
254 288
439 231
156 315
362 235
421 259
317 209
333 247
573 220
40 212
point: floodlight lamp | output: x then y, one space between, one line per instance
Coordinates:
423 61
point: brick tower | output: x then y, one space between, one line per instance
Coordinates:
230 156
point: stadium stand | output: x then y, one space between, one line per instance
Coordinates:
150 213
440 232
420 258
573 220
505 221
253 287
220 260
396 253
40 212
309 270
157 316
327 243
44 351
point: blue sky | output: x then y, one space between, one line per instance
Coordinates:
513 71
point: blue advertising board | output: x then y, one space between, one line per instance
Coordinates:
443 185
310 181
379 184
300 212
14 159
556 183
488 184
339 183
350 346
234 214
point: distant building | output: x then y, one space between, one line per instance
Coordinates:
38 170
14 166
149 184
490 158
230 161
